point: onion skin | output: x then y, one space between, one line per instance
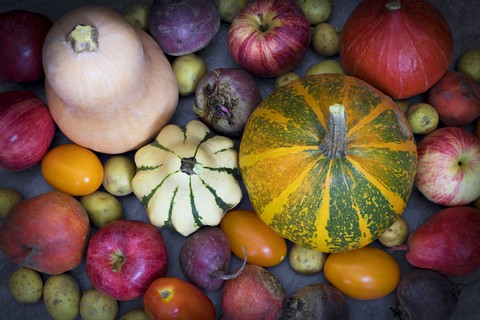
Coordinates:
183 26
225 98
23 33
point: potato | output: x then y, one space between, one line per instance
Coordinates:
469 63
134 314
306 261
228 9
26 285
8 198
118 174
422 117
189 70
326 66
396 234
285 79
61 295
316 11
326 39
102 208
137 14
96 305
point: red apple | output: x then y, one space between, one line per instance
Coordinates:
23 33
47 233
268 38
26 129
448 169
124 257
456 97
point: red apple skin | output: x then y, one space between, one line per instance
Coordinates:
144 254
448 168
26 130
447 242
23 33
456 98
276 50
48 233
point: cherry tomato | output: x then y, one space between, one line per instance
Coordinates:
72 169
264 247
174 298
365 274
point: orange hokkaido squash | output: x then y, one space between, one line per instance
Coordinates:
328 162
108 85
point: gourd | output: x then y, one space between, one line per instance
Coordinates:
108 85
187 177
402 47
328 161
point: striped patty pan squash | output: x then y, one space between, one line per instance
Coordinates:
328 162
186 177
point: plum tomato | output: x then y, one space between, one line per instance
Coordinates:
72 169
365 274
264 247
174 298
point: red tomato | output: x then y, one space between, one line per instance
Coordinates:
264 247
174 298
366 273
72 169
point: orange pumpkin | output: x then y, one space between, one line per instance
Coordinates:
109 86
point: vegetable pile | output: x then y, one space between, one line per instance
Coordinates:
266 159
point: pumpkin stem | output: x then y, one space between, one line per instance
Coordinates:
393 5
190 166
83 38
334 144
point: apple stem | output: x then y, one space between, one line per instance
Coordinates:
334 144
83 38
263 24
117 262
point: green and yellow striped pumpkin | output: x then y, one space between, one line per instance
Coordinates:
328 162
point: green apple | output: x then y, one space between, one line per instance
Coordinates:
8 198
422 117
316 11
102 208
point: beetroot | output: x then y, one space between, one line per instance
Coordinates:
183 26
255 294
205 258
447 242
427 295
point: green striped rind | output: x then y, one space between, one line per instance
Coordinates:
176 199
328 205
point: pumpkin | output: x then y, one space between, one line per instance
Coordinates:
328 162
108 85
402 47
187 177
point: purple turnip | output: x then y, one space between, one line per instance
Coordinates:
316 302
183 26
205 258
225 99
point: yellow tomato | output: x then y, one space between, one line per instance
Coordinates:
72 169
365 274
243 228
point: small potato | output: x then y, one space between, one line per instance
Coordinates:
189 70
306 261
26 285
469 63
326 39
422 117
95 305
137 14
316 11
8 198
326 66
61 295
102 208
134 314
228 9
118 174
396 234
285 79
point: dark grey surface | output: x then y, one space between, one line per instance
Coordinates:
463 19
